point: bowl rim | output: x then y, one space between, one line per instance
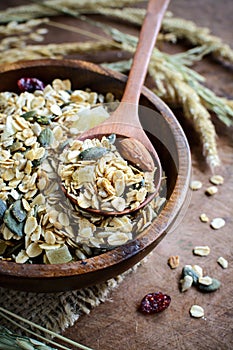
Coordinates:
156 230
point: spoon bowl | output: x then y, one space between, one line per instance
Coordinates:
124 121
121 130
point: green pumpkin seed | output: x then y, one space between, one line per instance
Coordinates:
46 137
14 225
30 116
17 146
3 208
59 256
188 270
18 211
211 287
93 153
112 138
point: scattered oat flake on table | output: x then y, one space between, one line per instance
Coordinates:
198 269
206 280
195 185
204 218
217 223
210 191
223 262
215 285
217 180
197 311
173 261
201 250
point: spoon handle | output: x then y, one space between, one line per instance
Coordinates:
147 38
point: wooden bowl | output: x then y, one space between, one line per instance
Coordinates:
175 160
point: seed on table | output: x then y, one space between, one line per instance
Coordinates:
206 280
210 191
204 218
198 269
188 271
223 262
211 287
173 261
197 311
201 250
217 180
195 185
217 223
186 283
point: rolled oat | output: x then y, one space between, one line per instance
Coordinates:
36 128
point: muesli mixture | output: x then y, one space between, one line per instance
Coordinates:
96 176
39 224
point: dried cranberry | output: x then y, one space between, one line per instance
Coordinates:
30 84
154 302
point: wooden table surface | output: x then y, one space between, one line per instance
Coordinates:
116 324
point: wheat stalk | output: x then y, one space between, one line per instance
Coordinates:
11 341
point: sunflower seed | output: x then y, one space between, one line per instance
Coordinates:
186 283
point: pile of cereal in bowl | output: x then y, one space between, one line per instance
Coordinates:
97 176
39 224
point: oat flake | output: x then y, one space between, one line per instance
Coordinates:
217 223
201 250
195 185
204 218
211 190
217 180
197 311
223 262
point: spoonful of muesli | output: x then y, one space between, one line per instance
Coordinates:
114 175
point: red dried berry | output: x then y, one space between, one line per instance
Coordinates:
30 84
154 302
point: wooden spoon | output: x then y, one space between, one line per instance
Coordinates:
124 121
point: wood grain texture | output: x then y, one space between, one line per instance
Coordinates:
116 324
